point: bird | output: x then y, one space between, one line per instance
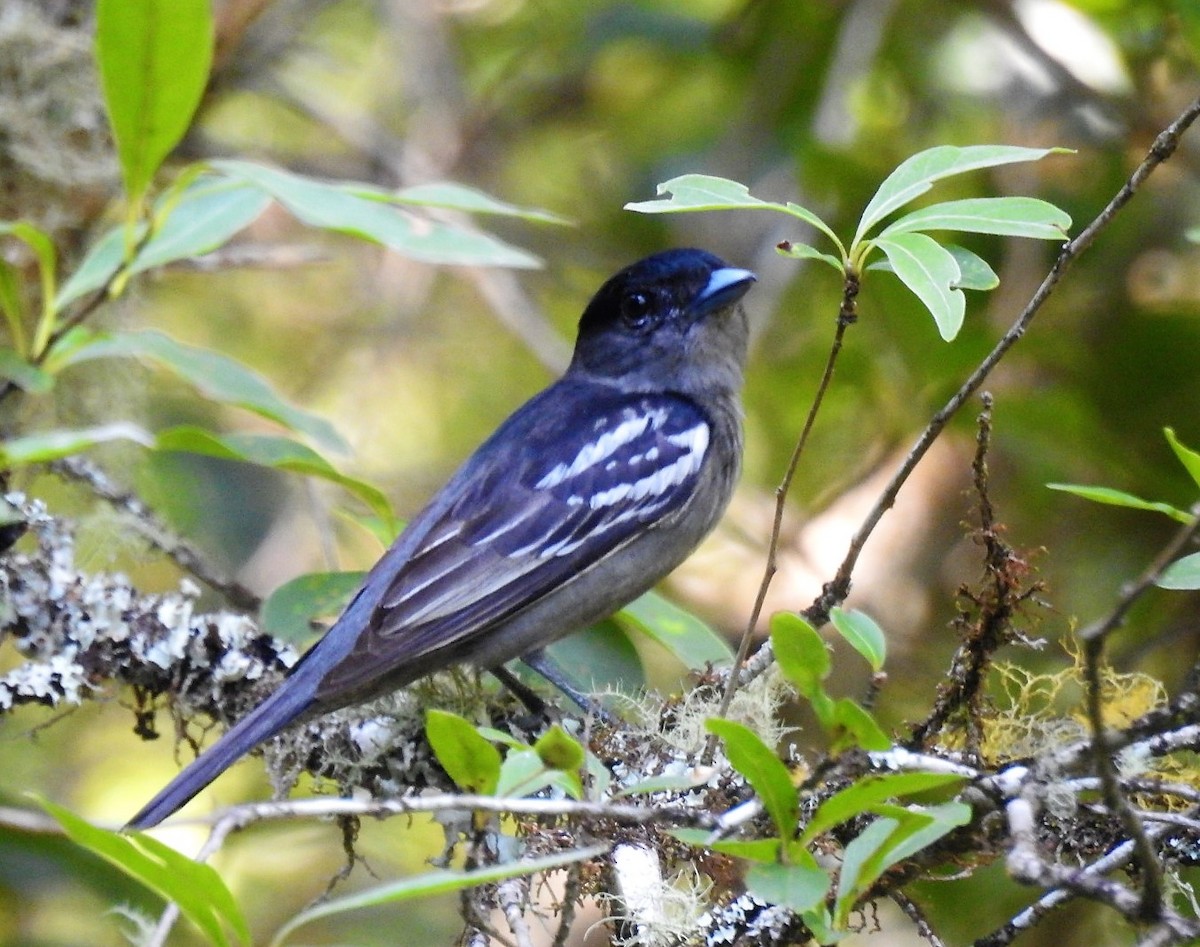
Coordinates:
583 499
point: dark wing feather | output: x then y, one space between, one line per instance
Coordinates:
566 480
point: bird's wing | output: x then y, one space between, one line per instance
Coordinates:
568 479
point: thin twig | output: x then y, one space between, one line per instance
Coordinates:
847 316
570 901
238 817
512 895
1094 637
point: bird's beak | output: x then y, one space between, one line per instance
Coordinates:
725 287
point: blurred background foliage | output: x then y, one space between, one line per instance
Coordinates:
579 108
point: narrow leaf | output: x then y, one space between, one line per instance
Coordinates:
802 251
1183 574
691 192
206 216
345 209
861 633
23 374
865 795
289 611
1003 216
98 266
1112 497
861 849
889 841
468 758
214 375
197 888
654 784
47 258
437 882
931 272
453 196
677 630
763 769
701 192
1188 457
280 453
802 655
51 445
914 176
154 57
12 304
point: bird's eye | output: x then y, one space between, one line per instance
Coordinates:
637 311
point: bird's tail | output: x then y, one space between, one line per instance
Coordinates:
265 720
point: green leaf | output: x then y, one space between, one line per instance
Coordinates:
763 769
345 209
759 850
854 876
23 374
436 882
862 634
12 304
801 654
206 216
975 272
214 375
867 793
798 887
1112 497
197 888
654 784
701 192
559 750
931 272
154 57
677 630
887 842
851 726
468 758
914 176
695 192
1188 457
98 266
600 658
521 774
289 611
1003 216
51 445
1182 574
802 251
280 453
47 258
453 196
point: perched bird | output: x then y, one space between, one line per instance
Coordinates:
582 500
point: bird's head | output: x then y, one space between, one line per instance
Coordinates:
670 320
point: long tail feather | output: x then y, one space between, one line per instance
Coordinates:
265 720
